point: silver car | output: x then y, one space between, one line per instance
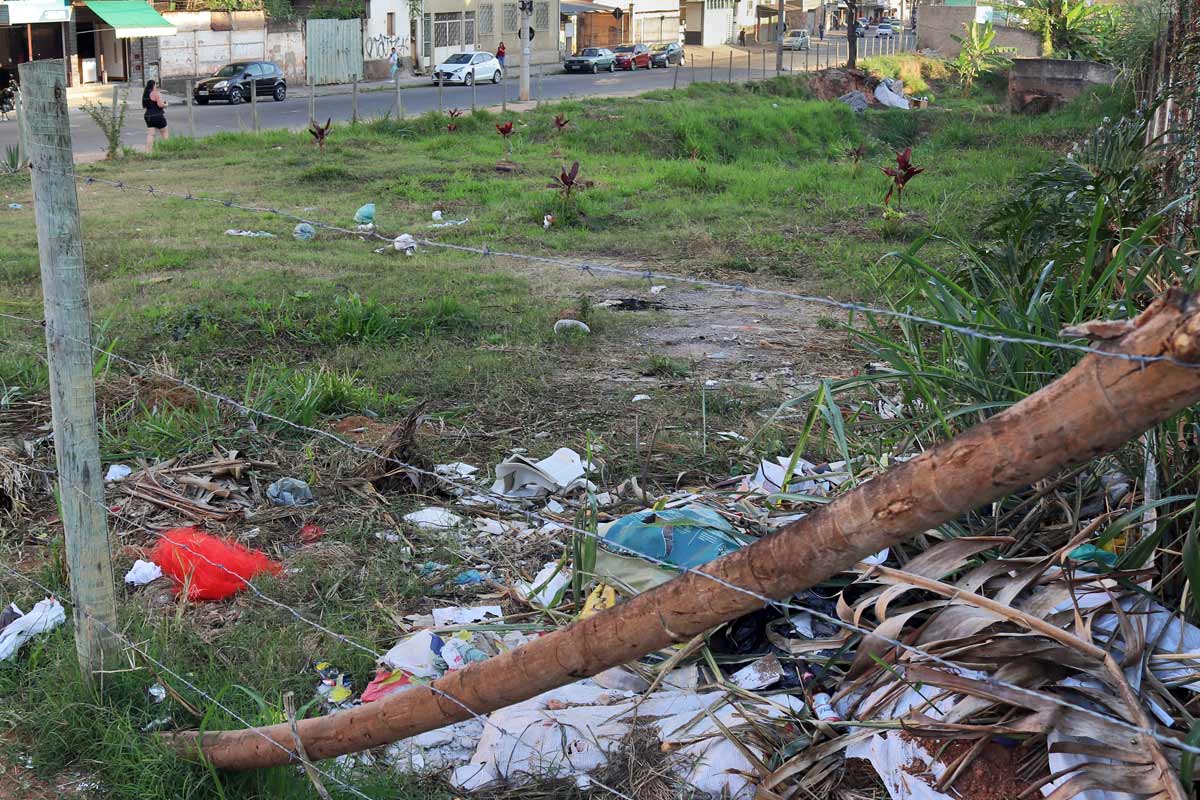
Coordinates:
795 39
466 68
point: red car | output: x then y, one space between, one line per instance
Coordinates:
632 56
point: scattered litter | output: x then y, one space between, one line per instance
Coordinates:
45 615
470 577
555 507
547 221
641 398
561 473
336 687
143 572
760 674
211 568
547 588
387 536
11 613
15 206
303 231
455 615
406 244
600 598
159 724
823 708
455 469
808 478
117 472
290 492
157 692
450 223
437 216
416 655
570 325
657 289
686 537
384 683
891 93
856 100
731 436
250 234
434 519
365 217
311 532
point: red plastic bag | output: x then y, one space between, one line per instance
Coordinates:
195 559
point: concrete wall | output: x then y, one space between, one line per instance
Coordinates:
936 24
1039 84
207 40
378 42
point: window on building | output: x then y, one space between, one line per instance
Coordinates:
427 36
391 23
485 21
511 18
541 16
469 27
447 29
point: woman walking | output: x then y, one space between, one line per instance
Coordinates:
156 120
394 63
500 54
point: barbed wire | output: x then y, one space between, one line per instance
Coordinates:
648 274
532 516
369 232
292 755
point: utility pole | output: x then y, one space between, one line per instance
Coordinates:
526 7
779 41
69 352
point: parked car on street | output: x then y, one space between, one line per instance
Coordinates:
592 59
664 55
467 68
632 56
795 39
884 31
235 82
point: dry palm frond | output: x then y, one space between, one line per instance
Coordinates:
1025 636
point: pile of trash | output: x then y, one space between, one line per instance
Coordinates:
957 667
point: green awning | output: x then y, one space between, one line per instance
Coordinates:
131 19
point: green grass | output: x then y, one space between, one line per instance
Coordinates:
744 183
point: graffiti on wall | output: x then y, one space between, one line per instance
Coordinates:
380 46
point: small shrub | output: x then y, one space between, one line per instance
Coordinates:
110 122
901 174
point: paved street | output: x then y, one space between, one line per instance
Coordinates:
293 112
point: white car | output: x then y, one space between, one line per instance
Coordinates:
795 39
884 31
466 68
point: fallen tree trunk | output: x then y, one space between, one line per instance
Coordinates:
1101 403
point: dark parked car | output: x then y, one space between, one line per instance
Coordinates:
234 82
632 56
592 59
664 55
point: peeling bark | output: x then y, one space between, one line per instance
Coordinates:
1097 406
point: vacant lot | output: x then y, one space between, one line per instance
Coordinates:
760 185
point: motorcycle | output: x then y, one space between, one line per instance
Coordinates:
8 100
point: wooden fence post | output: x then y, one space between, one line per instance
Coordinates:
354 103
68 345
191 85
730 66
474 93
22 136
254 104
312 101
439 77
399 99
675 77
